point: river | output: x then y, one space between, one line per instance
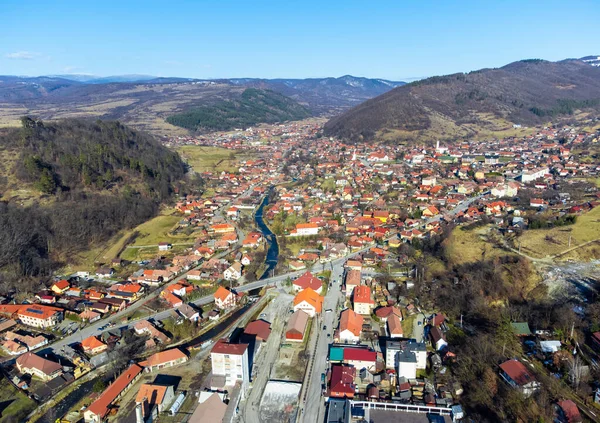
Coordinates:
273 247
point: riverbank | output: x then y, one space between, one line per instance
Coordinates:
272 255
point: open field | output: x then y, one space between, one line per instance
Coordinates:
469 245
14 404
150 233
549 242
212 159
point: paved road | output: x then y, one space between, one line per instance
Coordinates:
312 407
264 362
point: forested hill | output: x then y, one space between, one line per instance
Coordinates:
96 178
462 105
75 155
254 106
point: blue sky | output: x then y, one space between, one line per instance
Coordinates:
213 39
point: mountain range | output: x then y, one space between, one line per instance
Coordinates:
482 102
145 102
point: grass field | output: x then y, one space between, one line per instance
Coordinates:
542 242
469 245
212 159
150 233
15 404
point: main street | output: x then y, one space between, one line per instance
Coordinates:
311 406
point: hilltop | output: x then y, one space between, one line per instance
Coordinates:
252 107
74 155
464 105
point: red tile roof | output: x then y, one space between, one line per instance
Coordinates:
308 280
349 320
359 354
100 406
517 372
224 347
362 294
260 328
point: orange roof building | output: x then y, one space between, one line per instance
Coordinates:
309 301
163 359
36 315
93 345
100 408
350 326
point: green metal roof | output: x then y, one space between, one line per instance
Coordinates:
336 354
521 328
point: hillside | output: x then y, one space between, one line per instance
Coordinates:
74 155
95 179
252 107
145 104
463 105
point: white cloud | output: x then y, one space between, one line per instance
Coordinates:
22 55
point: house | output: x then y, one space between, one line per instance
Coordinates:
308 280
537 203
341 383
296 326
518 376
39 316
92 345
172 299
233 272
151 395
211 408
35 365
568 412
438 340
352 281
99 409
224 298
305 229
194 275
233 212
164 246
385 312
407 364
260 329
90 316
252 240
309 301
246 260
231 361
105 272
350 326
188 312
145 327
363 303
60 287
164 359
394 327
360 358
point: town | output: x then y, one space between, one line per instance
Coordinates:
295 287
